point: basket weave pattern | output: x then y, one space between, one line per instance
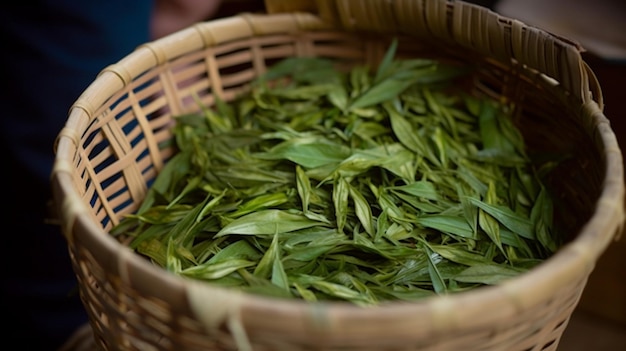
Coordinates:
118 137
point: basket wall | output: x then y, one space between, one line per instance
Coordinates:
118 137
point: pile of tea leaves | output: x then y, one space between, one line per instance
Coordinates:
361 185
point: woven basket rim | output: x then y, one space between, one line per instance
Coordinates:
580 254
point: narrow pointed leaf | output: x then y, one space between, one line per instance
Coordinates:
267 222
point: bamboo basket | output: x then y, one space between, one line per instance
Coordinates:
115 143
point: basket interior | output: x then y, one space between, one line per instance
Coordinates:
130 139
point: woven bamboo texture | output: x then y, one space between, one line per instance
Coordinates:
116 137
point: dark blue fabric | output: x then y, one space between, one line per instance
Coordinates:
51 51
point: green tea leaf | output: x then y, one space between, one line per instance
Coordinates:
542 218
308 152
447 224
341 292
407 135
341 191
459 254
507 218
422 188
438 282
267 222
489 274
259 203
216 270
362 210
486 222
265 266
